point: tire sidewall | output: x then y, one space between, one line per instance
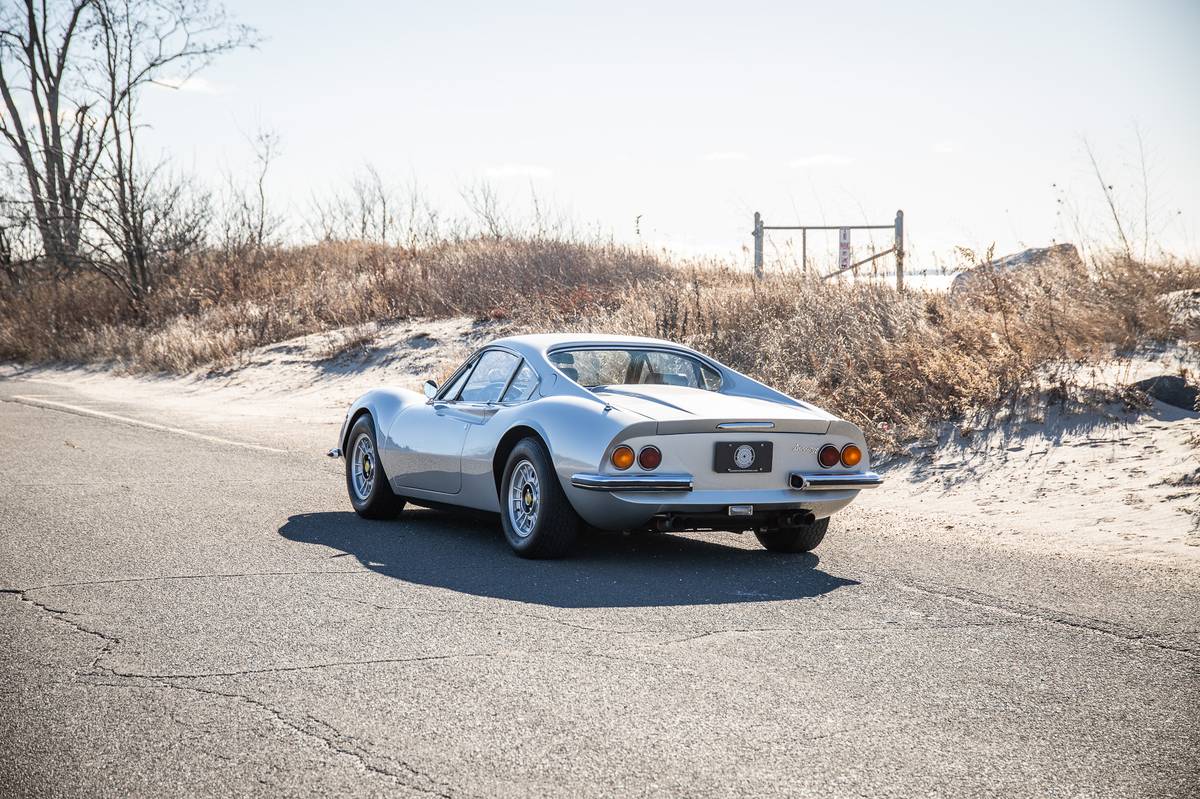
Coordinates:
796 540
370 505
553 504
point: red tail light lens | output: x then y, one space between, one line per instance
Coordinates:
649 458
829 456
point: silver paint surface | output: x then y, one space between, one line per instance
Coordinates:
445 452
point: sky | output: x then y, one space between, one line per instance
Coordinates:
974 119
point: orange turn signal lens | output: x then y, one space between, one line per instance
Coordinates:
851 455
622 457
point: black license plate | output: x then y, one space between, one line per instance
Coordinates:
742 456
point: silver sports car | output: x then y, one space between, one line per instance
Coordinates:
621 433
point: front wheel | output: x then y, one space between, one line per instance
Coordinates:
793 539
538 519
366 482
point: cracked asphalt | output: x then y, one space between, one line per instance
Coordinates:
182 616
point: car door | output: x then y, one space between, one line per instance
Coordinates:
486 430
427 439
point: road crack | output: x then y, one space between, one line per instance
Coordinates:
886 628
304 667
967 596
321 732
336 741
64 616
168 577
488 614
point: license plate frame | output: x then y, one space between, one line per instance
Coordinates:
725 460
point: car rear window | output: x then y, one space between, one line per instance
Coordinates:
612 366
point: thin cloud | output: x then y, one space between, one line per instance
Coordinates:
822 159
732 155
518 171
192 84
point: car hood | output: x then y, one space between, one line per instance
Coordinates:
678 409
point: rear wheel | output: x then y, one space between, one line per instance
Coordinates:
366 482
537 517
793 539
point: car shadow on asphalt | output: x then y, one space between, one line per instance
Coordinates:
467 552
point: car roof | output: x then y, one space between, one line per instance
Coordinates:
544 342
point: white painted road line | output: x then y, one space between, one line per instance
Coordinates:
112 417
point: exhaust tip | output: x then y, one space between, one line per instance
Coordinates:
798 519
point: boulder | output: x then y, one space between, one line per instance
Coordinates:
1171 389
1184 307
1038 257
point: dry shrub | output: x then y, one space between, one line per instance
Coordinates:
893 362
898 362
218 304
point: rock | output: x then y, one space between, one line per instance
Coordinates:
1038 257
1171 389
1184 307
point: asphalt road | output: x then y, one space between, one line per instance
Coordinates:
185 615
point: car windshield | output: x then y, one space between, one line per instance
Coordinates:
624 367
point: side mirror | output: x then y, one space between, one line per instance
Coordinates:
430 388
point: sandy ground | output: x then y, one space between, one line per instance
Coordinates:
1108 482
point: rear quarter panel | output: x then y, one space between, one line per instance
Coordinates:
576 431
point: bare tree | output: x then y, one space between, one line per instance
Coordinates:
71 72
372 209
247 220
484 203
57 145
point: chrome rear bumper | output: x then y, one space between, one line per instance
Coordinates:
817 481
633 482
799 481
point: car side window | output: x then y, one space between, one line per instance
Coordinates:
594 367
490 376
522 385
672 370
450 392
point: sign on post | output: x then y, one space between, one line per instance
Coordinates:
844 248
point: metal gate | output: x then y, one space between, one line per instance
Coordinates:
844 245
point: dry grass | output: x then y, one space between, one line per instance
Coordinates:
218 305
896 363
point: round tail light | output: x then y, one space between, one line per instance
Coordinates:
622 457
829 456
649 458
851 455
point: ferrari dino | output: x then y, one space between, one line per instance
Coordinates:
560 432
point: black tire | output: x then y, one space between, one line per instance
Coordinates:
554 524
378 501
793 539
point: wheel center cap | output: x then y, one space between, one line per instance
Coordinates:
527 497
366 466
